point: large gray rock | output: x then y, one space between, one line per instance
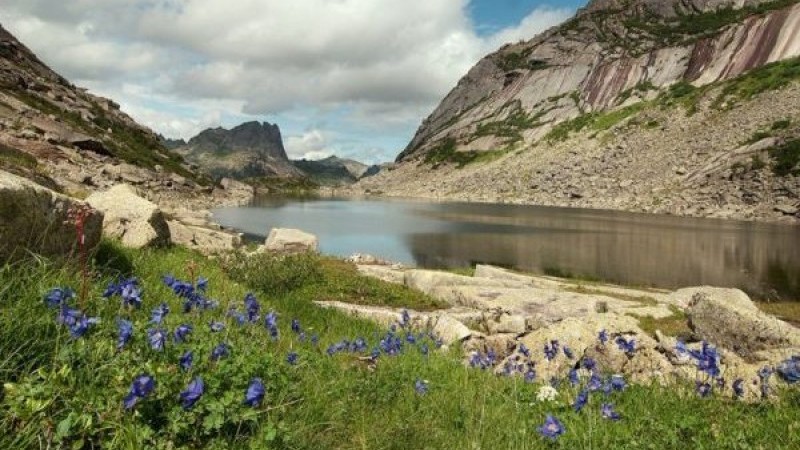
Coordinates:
34 219
729 318
287 240
428 280
135 221
202 238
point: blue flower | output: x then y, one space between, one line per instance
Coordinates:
589 363
192 393
618 382
296 326
182 332
141 387
58 297
551 350
703 389
159 313
764 373
271 323
291 358
607 411
216 327
551 428
738 388
789 369
530 375
186 360
220 351
568 352
76 321
626 346
125 328
595 382
573 377
524 350
131 293
421 387
405 318
410 338
580 400
602 336
707 359
252 307
314 340
255 393
423 348
157 337
202 283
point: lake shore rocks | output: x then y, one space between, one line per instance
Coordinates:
554 325
135 221
34 219
288 240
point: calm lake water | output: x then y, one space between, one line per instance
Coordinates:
619 247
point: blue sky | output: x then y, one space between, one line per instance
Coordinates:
353 78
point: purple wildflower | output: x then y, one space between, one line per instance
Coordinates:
192 393
255 393
607 411
552 428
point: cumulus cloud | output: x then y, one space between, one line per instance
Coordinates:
309 145
383 65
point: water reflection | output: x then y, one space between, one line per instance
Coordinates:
640 249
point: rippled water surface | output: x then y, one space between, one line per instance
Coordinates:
628 248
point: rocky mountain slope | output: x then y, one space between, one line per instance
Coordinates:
332 171
250 150
678 106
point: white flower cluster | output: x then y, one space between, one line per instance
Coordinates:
546 393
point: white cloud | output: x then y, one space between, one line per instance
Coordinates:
312 144
384 65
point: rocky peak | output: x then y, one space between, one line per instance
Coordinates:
253 136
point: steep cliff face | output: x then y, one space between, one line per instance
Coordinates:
249 150
674 106
332 171
613 53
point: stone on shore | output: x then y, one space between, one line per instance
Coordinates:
427 280
728 318
204 239
135 221
34 219
288 240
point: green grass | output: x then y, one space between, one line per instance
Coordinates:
769 77
786 158
596 121
445 152
12 157
64 393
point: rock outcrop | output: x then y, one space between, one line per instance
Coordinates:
626 106
288 240
332 171
135 221
34 219
250 150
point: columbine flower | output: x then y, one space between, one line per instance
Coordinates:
192 393
186 360
202 283
76 321
271 322
618 382
157 338
130 293
216 327
182 332
546 394
291 358
255 393
580 400
626 346
530 376
524 350
707 359
252 307
589 363
125 332
568 352
220 351
58 297
551 350
703 389
607 411
551 428
738 388
159 313
595 382
789 369
141 387
239 317
421 387
573 377
602 336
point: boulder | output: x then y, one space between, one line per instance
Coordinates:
287 240
498 273
427 280
732 321
135 221
203 239
34 219
449 329
384 273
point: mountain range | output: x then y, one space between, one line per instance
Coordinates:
670 106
